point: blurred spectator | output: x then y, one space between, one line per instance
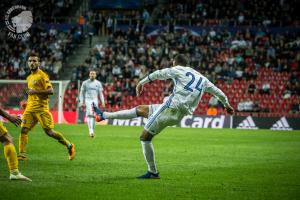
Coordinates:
246 106
97 18
118 99
295 88
257 108
81 22
271 53
213 101
239 74
109 25
118 89
111 99
116 70
146 15
287 92
251 87
132 90
295 109
212 111
265 89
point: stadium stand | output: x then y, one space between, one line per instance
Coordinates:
230 12
51 44
232 67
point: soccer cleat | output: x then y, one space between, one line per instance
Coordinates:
99 114
19 177
71 151
149 175
22 157
92 135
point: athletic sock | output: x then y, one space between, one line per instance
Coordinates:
122 114
23 140
148 152
91 124
10 155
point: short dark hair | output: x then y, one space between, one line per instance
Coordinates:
33 54
181 59
93 70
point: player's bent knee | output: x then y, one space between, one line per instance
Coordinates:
49 132
139 110
142 111
24 130
146 136
6 139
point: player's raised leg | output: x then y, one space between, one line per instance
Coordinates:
139 111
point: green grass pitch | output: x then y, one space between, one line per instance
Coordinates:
193 164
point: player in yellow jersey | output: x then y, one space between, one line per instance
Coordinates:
37 108
9 148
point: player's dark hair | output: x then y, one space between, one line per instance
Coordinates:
181 59
33 54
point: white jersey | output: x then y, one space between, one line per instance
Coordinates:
90 90
189 86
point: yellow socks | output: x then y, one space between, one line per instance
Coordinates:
61 139
10 155
23 140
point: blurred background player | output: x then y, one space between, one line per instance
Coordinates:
37 108
89 92
9 148
189 86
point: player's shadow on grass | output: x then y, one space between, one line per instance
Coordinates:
108 179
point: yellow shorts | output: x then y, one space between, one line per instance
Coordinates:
30 119
3 130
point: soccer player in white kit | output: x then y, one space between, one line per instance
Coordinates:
189 86
89 92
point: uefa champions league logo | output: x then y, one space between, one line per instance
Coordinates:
18 20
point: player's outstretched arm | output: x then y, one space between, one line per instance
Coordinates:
139 89
15 120
48 91
163 74
211 88
102 99
81 96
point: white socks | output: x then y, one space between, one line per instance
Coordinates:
148 152
91 124
122 114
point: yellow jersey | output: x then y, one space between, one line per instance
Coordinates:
38 80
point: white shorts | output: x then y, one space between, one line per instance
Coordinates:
89 108
152 109
161 116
